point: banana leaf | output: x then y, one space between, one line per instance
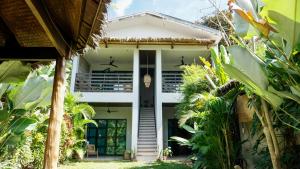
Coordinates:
285 17
34 92
13 72
273 99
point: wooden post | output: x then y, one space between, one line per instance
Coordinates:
56 116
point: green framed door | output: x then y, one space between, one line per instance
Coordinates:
109 137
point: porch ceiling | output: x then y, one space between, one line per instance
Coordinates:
125 56
100 56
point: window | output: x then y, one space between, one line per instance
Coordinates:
109 137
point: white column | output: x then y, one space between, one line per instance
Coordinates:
75 67
158 101
135 103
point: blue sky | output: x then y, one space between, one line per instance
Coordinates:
185 9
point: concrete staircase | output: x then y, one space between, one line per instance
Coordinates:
147 145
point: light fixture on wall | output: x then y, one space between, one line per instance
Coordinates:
147 77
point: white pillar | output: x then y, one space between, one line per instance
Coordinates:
158 101
135 103
75 66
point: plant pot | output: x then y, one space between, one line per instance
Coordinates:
245 114
127 156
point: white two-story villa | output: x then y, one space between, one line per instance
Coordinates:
133 81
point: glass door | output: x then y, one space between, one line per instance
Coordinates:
109 137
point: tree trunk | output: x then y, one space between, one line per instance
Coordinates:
227 148
51 155
270 136
268 130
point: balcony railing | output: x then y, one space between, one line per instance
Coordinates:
171 82
103 82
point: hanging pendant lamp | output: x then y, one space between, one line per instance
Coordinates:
147 77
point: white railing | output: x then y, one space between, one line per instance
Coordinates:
171 82
103 82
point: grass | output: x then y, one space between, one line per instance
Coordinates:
125 165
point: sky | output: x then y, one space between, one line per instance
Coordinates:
190 10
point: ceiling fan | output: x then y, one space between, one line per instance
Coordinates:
182 63
111 62
110 111
107 70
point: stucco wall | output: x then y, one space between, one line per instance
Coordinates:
122 113
168 113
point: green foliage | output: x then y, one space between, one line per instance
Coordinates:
268 66
24 121
13 71
271 70
76 116
210 119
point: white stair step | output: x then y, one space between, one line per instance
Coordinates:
147 153
152 146
148 143
147 132
147 120
145 136
146 139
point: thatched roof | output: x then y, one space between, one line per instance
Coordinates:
160 41
28 23
151 28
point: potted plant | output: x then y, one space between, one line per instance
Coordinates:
167 152
127 155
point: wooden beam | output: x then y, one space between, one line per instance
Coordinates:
43 16
51 155
28 53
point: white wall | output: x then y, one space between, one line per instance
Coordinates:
168 113
106 97
122 113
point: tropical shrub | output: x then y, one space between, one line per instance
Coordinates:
266 61
209 116
24 114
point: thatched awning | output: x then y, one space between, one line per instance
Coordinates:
61 24
157 41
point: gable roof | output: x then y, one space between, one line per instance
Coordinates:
180 31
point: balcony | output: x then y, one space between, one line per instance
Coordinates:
104 82
171 82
